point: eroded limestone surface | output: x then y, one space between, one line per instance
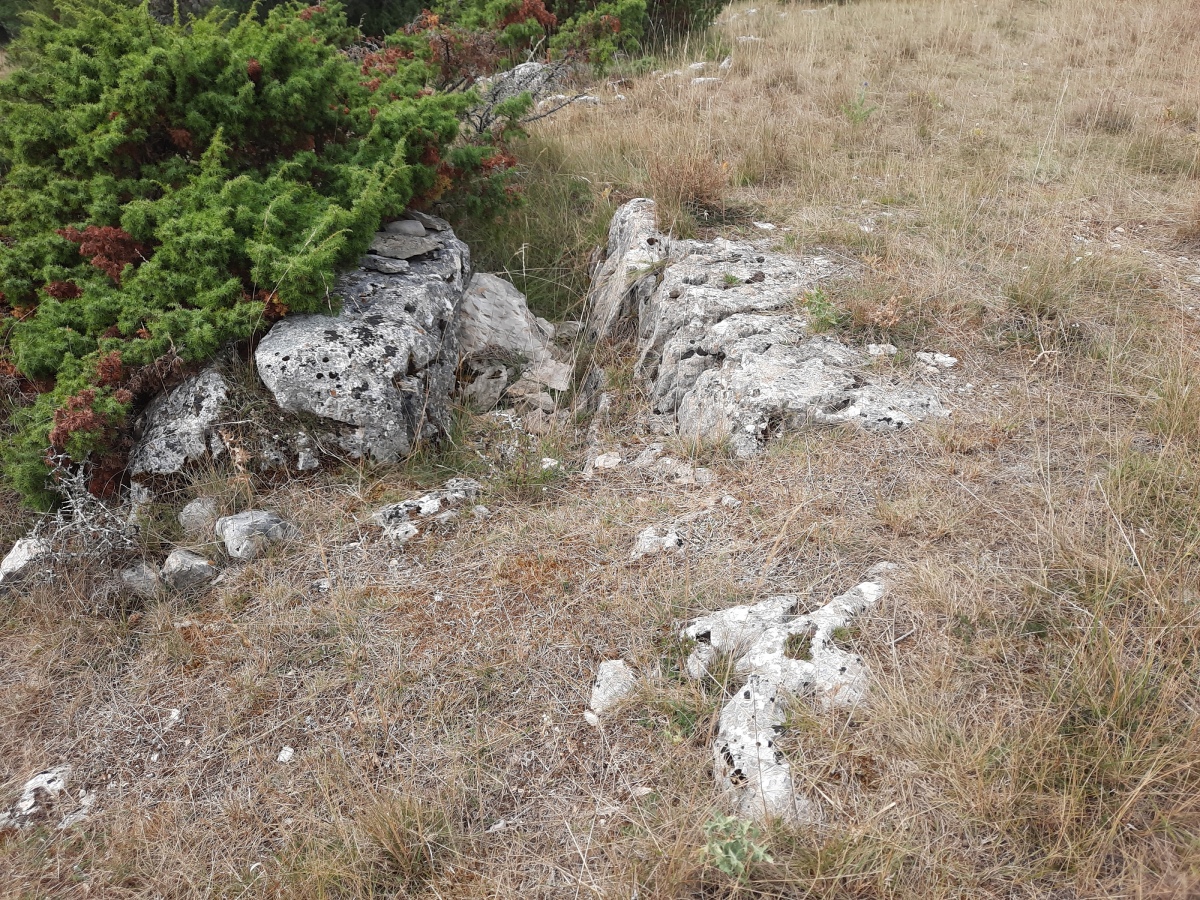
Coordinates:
383 368
725 342
779 651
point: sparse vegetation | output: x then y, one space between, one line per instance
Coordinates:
1024 191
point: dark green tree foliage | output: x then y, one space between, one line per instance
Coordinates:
165 189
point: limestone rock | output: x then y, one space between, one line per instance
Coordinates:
382 370
615 681
184 569
629 272
179 427
25 557
141 579
396 518
198 517
410 227
495 320
248 533
650 543
40 799
725 343
780 651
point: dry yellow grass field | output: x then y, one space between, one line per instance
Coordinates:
1018 184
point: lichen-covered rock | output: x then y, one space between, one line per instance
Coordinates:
382 370
141 579
184 569
40 799
248 533
725 343
179 427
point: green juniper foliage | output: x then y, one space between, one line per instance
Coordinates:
167 188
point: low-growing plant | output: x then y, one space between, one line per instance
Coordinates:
859 109
733 845
823 315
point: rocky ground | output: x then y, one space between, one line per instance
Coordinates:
842 544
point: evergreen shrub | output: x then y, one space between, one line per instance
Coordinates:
168 188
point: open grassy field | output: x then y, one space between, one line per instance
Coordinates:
1018 184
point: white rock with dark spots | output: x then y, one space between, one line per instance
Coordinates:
780 651
651 543
396 518
179 427
382 370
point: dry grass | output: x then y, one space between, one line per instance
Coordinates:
1017 198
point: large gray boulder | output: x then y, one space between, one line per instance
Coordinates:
724 341
383 369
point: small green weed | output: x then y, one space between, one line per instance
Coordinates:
823 315
859 110
732 845
798 646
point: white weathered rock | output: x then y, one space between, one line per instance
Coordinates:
745 761
615 681
382 370
184 569
608 460
881 350
286 754
650 542
396 518
179 427
627 276
494 318
486 388
142 579
938 360
26 556
248 533
726 344
198 517
45 797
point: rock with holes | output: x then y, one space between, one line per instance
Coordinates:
629 272
381 371
779 651
180 426
725 342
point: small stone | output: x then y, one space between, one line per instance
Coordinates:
22 559
730 502
248 533
881 349
481 513
650 542
141 579
184 569
940 360
286 754
764 226
198 517
609 460
615 681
